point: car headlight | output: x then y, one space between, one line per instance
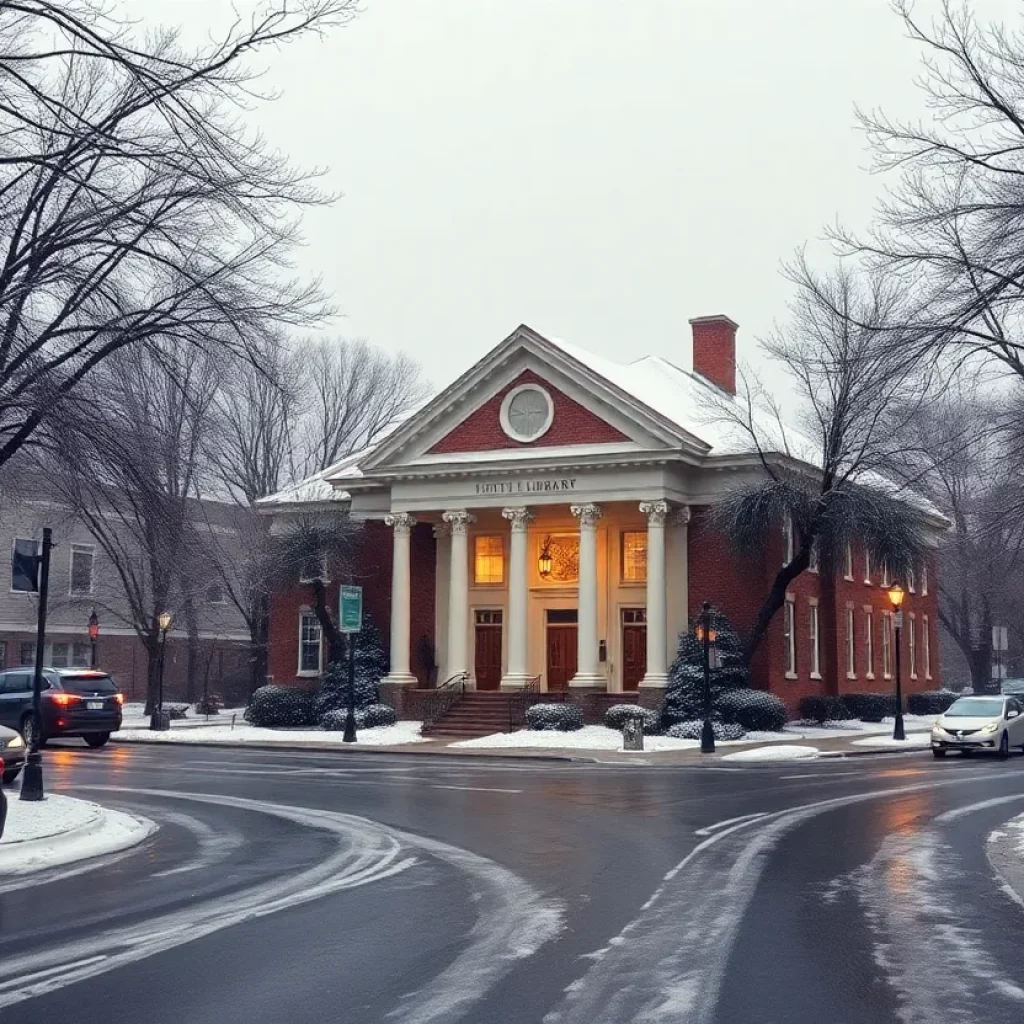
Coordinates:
991 727
16 742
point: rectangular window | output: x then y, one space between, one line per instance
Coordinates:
912 645
488 561
867 568
24 571
3 653
885 574
789 632
80 655
851 642
815 643
215 594
924 580
313 569
309 644
82 556
887 645
926 649
59 656
911 580
869 644
634 556
848 568
815 562
788 540
27 652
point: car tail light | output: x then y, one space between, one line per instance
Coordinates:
62 700
119 697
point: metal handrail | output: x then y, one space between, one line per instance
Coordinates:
441 699
520 701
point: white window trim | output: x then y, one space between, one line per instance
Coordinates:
867 569
789 540
924 583
504 562
80 549
308 673
912 645
506 424
789 611
815 563
848 564
885 576
911 580
851 643
814 626
869 642
926 648
887 642
14 541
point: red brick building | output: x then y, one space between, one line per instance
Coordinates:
543 522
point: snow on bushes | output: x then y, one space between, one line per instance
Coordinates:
555 717
755 710
370 717
379 714
823 708
931 702
333 692
870 707
209 705
618 714
692 730
276 707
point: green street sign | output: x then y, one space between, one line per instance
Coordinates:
351 609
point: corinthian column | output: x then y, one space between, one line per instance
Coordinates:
458 592
401 524
517 675
656 676
587 665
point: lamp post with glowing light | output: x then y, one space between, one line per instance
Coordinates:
160 721
94 635
706 635
896 599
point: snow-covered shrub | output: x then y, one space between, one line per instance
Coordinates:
931 702
823 708
334 721
755 710
555 717
274 707
379 714
333 692
173 711
618 714
209 705
692 730
869 707
682 705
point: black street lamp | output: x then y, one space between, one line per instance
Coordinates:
160 721
896 599
706 635
94 635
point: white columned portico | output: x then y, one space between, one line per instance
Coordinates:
588 672
516 674
458 592
656 677
401 524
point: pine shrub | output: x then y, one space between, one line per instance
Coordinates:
692 730
334 721
565 717
277 707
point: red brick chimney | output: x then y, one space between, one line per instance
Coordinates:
714 350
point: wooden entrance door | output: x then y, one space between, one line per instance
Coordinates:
561 647
634 647
488 650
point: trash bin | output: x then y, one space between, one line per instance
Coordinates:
633 734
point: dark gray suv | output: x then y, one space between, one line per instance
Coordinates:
76 702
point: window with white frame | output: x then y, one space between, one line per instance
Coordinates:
924 580
886 645
885 574
82 558
310 646
24 572
869 644
488 560
60 655
80 655
912 645
789 634
815 638
851 645
634 556
27 652
867 567
926 648
848 568
911 580
815 563
788 539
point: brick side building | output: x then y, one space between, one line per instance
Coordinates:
543 522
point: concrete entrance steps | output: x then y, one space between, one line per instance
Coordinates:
476 713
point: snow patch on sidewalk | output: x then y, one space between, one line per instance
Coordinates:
590 737
380 736
61 830
914 741
779 752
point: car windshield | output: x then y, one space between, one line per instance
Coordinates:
88 682
975 708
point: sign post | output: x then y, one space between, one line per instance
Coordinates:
351 622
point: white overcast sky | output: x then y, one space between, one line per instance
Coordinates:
602 170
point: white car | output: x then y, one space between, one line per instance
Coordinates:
992 724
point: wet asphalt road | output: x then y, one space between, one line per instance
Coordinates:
361 888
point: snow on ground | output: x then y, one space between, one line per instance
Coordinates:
777 752
242 733
914 741
61 830
590 737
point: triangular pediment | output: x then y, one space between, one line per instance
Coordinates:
568 407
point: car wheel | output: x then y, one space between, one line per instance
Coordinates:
936 752
28 727
1004 747
97 739
11 777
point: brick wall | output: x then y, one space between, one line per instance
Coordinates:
572 424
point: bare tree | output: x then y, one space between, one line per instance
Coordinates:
136 208
852 388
